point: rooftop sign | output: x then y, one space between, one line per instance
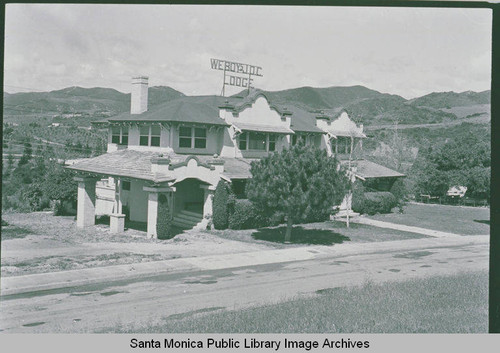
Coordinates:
237 68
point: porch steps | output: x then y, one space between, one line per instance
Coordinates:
187 219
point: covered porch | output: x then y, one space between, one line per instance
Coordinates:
137 202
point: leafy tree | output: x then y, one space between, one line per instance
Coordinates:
296 182
59 184
222 204
463 160
27 154
34 197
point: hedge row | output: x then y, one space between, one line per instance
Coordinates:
373 202
164 223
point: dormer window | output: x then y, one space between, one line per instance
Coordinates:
119 135
149 135
343 145
192 137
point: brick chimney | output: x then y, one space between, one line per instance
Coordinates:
139 97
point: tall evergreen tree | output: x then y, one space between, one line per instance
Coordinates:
297 182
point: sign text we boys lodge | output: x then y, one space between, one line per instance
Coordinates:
237 68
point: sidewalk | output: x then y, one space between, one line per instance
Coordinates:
402 227
109 274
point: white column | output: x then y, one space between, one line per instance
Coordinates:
117 219
207 201
207 205
152 214
85 215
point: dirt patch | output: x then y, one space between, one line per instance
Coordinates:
13 232
41 242
194 312
413 255
113 292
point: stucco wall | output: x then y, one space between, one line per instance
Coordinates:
138 204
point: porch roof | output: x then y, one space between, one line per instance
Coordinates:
366 169
263 128
125 163
237 168
137 165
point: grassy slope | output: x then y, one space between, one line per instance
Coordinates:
454 219
451 304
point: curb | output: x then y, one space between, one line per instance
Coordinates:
16 285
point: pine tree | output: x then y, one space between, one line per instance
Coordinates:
297 182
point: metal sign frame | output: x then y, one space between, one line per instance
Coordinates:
237 68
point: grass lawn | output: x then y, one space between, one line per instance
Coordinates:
445 304
323 233
445 218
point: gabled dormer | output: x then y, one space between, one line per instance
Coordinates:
256 126
343 135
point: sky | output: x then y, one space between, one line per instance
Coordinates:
406 51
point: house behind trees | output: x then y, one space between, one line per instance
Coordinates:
182 148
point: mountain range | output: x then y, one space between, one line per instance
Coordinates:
364 105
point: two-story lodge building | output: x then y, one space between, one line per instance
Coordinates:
183 147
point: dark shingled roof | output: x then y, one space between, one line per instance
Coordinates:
366 169
303 121
203 110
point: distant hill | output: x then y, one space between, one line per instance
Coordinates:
448 100
83 100
364 105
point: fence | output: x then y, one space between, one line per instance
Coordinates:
448 200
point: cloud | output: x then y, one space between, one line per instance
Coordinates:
398 50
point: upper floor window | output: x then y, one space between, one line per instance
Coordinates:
254 141
192 137
149 135
298 139
119 135
343 144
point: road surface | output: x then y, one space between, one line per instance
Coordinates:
91 308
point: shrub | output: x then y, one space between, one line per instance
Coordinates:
358 197
221 205
378 202
244 216
399 191
164 222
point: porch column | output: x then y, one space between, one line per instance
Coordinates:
85 212
153 207
117 219
207 204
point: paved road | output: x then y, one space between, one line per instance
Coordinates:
92 307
